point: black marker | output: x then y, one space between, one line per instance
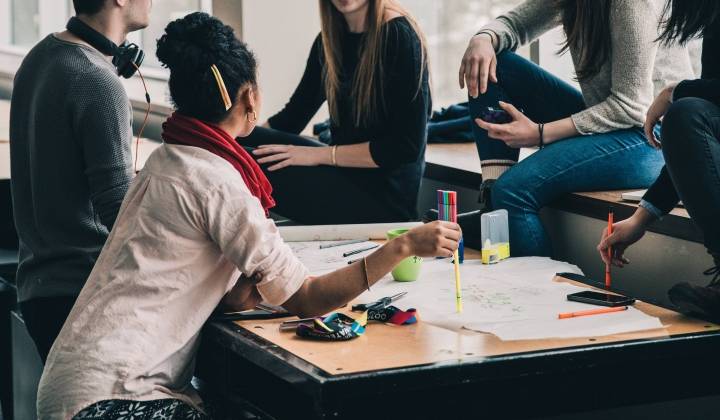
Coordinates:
357 251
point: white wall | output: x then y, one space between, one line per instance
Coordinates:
280 32
4 29
560 66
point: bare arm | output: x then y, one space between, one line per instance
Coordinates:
558 130
243 296
350 156
330 291
281 156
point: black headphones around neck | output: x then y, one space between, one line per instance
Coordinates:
126 58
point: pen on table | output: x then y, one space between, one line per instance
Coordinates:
341 243
608 278
458 288
592 312
357 251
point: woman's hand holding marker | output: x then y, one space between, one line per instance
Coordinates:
624 234
433 239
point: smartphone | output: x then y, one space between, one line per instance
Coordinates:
599 298
495 115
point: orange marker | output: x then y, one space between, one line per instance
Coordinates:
608 279
592 312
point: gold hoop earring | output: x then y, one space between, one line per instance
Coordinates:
254 116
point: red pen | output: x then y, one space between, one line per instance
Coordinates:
608 278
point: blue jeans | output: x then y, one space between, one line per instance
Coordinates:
620 159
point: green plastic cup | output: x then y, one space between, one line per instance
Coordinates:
409 268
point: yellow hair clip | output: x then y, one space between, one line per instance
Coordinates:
221 85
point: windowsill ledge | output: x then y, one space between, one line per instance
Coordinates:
458 164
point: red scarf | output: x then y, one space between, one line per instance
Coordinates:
188 131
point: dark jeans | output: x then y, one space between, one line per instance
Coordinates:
44 318
615 160
691 145
320 195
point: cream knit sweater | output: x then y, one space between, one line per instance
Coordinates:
619 95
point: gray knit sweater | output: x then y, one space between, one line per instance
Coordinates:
70 135
619 95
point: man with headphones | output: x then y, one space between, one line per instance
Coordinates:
70 151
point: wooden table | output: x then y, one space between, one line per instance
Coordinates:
424 371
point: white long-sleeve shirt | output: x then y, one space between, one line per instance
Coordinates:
186 230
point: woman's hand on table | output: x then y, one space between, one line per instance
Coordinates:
281 156
521 132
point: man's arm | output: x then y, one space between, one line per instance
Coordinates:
103 127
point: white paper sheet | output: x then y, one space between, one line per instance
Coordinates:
514 300
321 261
340 232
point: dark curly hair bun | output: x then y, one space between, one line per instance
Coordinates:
189 47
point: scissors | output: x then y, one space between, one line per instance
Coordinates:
378 304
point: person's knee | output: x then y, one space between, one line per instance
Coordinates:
685 117
508 59
508 192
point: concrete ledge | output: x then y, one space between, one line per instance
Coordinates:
458 164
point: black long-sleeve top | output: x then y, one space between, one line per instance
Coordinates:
662 194
397 140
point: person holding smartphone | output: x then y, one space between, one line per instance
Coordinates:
193 233
589 139
690 142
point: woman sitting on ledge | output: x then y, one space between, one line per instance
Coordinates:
590 139
369 64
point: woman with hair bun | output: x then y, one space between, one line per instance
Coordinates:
192 234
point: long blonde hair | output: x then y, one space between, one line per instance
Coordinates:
367 89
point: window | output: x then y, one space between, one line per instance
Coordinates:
25 28
28 21
448 26
163 12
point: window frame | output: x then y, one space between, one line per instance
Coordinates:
49 10
11 56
